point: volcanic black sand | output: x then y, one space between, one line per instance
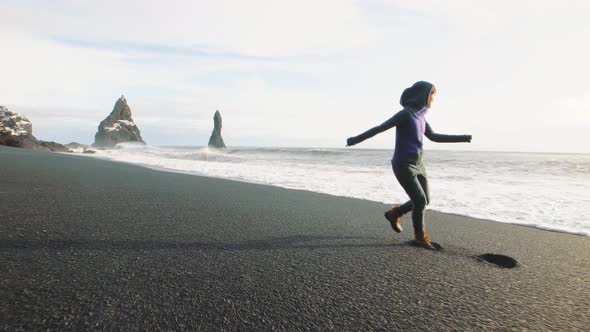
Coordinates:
92 244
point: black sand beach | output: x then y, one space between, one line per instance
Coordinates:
91 244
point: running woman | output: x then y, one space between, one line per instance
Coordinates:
407 158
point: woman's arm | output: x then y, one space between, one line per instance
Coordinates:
395 120
441 138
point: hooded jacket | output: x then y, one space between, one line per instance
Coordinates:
411 126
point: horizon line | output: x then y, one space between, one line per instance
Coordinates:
388 149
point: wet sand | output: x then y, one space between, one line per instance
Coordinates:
92 244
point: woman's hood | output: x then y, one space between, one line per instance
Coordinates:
416 96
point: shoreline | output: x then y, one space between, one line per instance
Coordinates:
97 244
169 170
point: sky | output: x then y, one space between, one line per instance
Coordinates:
301 73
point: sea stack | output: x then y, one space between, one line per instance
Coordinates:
216 141
17 131
118 127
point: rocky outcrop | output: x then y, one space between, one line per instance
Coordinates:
216 141
53 146
79 148
17 131
75 145
118 127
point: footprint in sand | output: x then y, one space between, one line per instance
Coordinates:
498 260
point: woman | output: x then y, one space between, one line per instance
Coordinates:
407 158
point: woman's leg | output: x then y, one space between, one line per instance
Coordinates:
423 179
411 180
406 207
424 183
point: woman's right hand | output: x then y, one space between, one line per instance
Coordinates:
351 141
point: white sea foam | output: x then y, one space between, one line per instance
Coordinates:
550 191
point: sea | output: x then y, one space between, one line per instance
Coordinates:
544 190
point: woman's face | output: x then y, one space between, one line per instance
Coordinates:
431 97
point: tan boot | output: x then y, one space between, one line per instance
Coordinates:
394 216
423 240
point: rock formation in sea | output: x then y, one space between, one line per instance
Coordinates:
75 145
17 131
79 148
216 141
118 127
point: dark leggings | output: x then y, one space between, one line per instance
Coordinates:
414 181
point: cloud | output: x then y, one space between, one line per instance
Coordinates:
256 28
141 49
